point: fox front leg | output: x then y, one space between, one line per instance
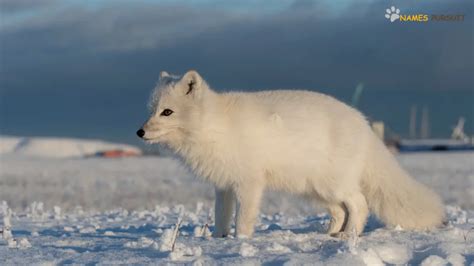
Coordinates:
248 204
223 212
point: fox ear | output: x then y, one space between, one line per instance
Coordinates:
164 74
193 82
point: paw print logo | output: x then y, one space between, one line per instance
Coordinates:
392 13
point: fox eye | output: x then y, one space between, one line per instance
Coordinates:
167 112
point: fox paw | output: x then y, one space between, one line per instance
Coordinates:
219 235
242 236
340 235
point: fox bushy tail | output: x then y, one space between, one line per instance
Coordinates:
395 197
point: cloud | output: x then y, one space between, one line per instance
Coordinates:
116 27
308 44
13 6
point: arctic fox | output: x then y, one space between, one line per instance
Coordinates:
297 141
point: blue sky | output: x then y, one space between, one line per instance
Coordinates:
106 55
309 36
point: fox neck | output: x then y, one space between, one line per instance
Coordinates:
210 122
202 143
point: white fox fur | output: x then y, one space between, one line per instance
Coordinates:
297 141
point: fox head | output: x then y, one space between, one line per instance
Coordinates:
174 108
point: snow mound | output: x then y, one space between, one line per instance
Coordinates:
434 260
393 253
58 147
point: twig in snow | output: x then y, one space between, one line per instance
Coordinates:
467 233
175 233
422 250
206 226
204 229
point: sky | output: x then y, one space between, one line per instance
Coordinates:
88 66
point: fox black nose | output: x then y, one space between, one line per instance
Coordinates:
141 133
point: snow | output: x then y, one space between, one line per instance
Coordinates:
151 210
57 147
434 260
393 253
247 250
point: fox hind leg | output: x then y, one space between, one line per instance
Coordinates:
339 217
358 211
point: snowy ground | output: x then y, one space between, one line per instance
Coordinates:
73 210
